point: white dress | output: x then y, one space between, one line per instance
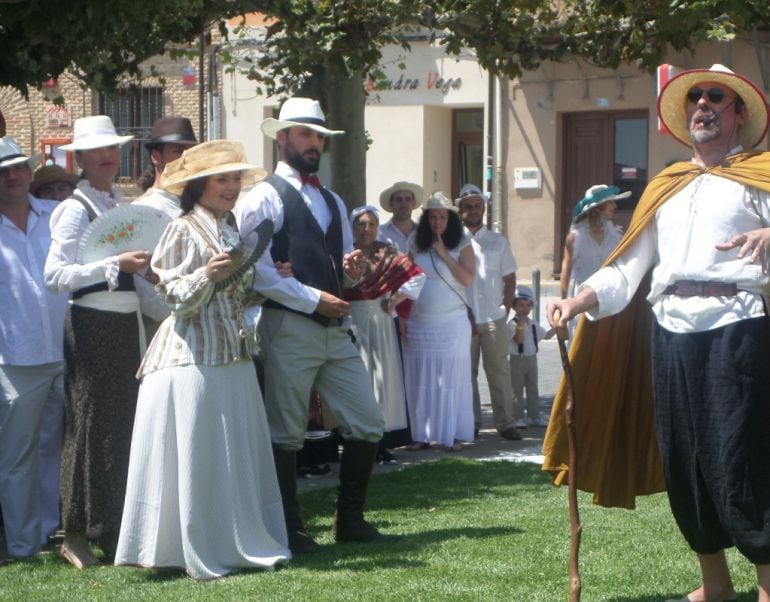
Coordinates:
202 493
588 255
437 362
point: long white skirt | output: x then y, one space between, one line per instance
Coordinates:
377 342
437 373
202 492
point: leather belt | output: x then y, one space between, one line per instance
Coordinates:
698 288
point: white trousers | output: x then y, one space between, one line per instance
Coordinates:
23 394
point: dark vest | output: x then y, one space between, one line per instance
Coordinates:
316 258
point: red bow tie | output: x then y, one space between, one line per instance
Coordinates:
311 179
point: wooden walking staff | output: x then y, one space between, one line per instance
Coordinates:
574 514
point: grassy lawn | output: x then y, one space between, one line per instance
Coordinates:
460 529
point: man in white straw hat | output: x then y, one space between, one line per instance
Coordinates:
700 234
31 362
304 324
491 298
400 199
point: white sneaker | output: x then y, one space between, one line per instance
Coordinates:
538 422
520 423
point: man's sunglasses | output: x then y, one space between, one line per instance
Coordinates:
715 95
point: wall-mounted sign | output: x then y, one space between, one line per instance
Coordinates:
58 117
189 77
432 81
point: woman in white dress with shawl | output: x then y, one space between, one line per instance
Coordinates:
202 493
437 337
390 280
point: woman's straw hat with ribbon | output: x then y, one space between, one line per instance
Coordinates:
208 159
595 196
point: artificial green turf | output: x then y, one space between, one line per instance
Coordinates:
457 529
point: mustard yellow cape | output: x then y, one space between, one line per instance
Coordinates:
617 453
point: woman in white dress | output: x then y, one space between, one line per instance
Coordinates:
437 338
389 280
202 493
591 239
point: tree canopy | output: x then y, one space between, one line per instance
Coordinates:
99 42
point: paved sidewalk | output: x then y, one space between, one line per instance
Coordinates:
489 445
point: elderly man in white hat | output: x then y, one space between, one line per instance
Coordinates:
400 199
491 297
31 361
304 327
700 234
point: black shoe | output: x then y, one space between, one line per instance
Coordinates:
315 472
387 458
302 543
511 434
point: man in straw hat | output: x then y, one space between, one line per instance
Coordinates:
31 361
304 333
53 182
491 298
700 235
400 199
169 138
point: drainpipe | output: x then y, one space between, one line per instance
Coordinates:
499 175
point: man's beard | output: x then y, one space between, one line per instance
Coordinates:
701 136
306 165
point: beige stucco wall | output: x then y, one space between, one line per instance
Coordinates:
535 105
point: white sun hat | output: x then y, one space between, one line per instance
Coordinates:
92 132
672 103
11 153
295 112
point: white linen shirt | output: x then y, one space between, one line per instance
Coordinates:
494 260
32 320
160 199
679 244
388 232
68 223
263 202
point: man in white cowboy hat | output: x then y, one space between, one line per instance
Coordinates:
400 199
700 233
490 297
31 361
169 138
303 328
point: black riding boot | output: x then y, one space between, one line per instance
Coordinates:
286 470
355 468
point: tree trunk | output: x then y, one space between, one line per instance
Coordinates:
345 100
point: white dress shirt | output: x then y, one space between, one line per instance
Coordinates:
68 222
388 232
494 260
679 244
32 319
162 200
263 202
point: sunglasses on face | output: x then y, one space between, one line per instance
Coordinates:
715 95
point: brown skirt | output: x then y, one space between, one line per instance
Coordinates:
101 349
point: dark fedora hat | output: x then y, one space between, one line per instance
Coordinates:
174 130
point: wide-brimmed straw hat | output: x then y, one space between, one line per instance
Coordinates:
672 103
298 111
171 130
50 174
439 200
385 195
11 153
92 132
595 196
208 159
